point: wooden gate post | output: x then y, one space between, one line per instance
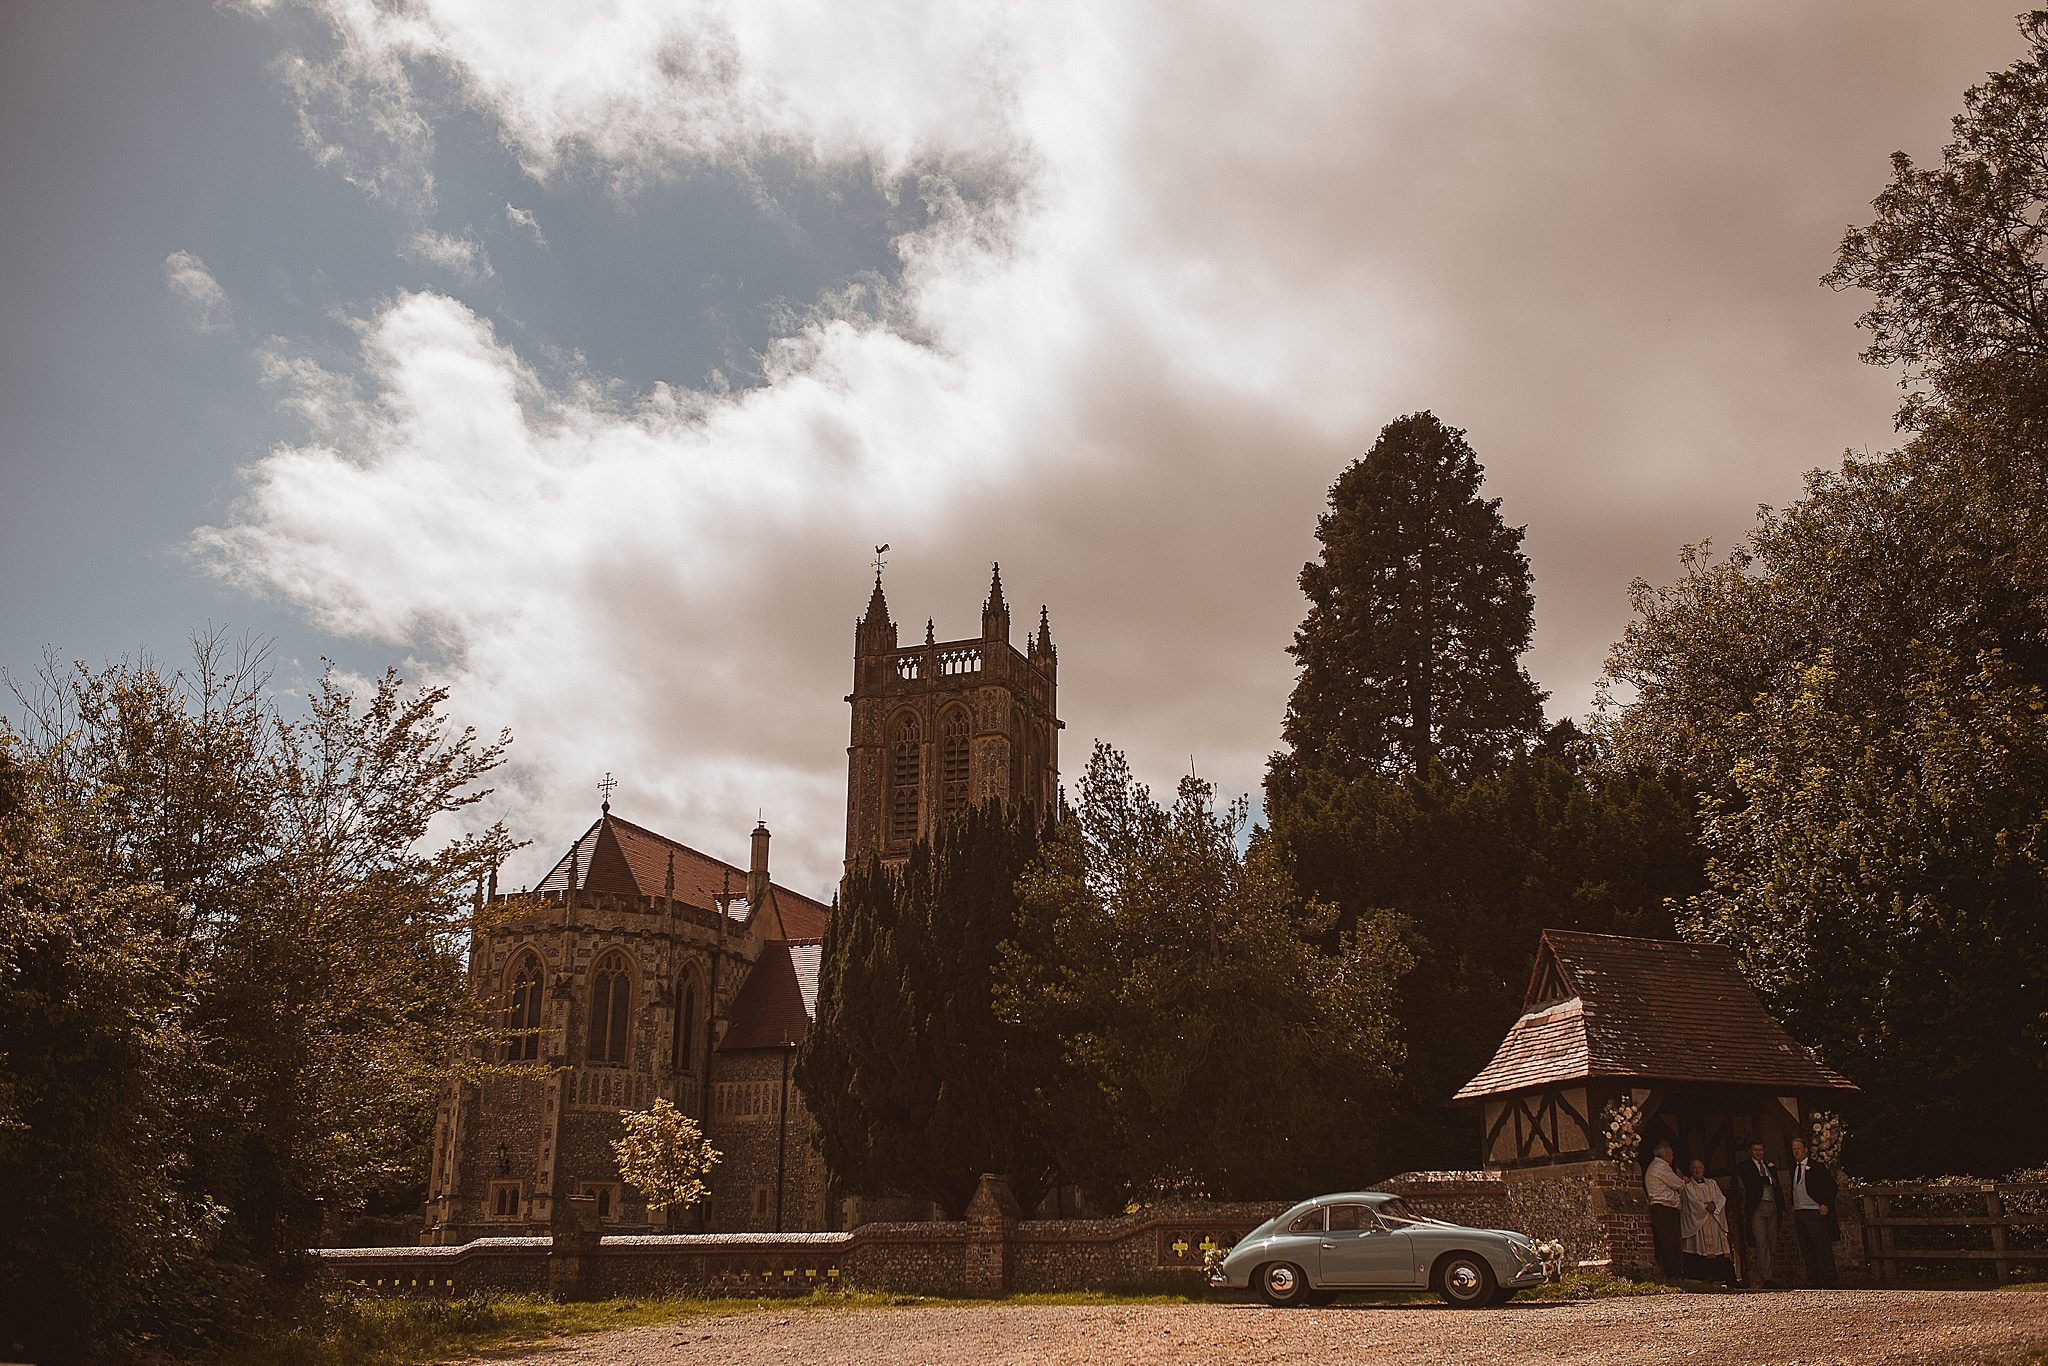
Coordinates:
1994 1205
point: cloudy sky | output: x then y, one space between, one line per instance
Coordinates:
575 356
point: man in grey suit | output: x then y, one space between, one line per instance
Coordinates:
1762 1206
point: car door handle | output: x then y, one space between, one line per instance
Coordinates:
1329 1247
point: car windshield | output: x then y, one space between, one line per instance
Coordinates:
1396 1214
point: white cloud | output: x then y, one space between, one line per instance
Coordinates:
1181 262
523 218
459 256
193 285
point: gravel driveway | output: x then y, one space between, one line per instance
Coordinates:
1787 1328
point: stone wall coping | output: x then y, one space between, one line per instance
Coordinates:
353 1254
934 1230
682 1242
1199 1209
1117 1230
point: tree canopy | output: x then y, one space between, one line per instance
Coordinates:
1193 1033
231 977
1881 878
663 1154
1856 688
1419 612
1955 256
917 1086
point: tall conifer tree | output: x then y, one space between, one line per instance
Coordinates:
1419 611
1418 777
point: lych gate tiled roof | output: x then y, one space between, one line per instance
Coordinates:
1605 1005
778 1000
625 859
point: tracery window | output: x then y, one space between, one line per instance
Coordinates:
906 771
522 1011
953 762
685 1059
609 993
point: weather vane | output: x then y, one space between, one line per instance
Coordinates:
604 788
879 561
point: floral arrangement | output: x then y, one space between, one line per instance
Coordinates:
1552 1253
1623 1128
1212 1260
1828 1134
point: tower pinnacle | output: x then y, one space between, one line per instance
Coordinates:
874 633
995 613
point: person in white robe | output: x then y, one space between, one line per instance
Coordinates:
1703 1227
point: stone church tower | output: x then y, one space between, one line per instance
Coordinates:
947 724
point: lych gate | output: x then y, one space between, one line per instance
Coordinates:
1667 1024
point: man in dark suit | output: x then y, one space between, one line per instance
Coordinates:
1761 1204
1813 1215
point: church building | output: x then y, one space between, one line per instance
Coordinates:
640 967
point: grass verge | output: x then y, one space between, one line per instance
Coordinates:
1599 1285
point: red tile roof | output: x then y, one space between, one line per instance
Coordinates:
1645 1009
778 1000
617 856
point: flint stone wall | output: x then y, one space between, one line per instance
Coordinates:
989 1253
1597 1215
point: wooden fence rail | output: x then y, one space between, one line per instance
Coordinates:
1912 1222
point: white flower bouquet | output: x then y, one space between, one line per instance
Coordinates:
1623 1130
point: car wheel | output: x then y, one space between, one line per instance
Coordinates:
1465 1281
1283 1284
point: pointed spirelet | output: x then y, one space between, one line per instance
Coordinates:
878 604
995 613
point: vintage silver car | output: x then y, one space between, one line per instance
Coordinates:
1363 1240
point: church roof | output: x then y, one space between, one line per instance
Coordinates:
1607 1005
778 1000
619 857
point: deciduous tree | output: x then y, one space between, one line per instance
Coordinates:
664 1155
1199 1038
1881 878
247 906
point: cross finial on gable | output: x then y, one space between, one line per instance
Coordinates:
604 788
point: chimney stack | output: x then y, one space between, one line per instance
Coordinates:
757 871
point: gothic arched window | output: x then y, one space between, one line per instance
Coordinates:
906 772
685 1059
953 762
609 992
522 1010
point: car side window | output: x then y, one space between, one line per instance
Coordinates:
1310 1221
1351 1219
